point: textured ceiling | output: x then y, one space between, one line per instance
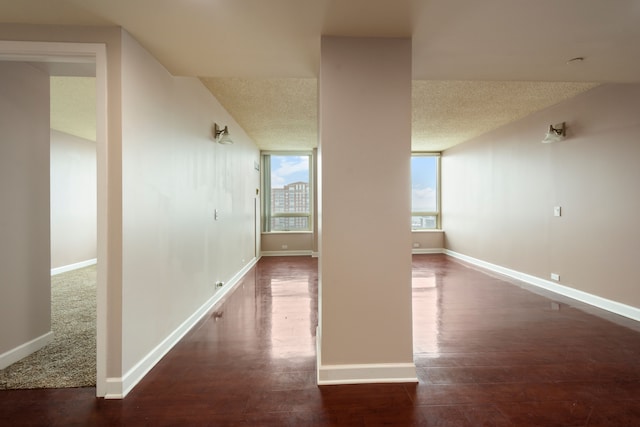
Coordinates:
446 113
280 113
73 106
475 64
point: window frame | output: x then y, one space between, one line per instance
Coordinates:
265 200
437 212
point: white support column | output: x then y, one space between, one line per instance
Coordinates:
365 325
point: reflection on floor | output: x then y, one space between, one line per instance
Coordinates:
488 352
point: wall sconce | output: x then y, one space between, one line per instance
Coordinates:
555 133
221 135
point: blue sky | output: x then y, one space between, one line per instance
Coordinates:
424 176
288 169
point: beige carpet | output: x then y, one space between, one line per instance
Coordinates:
70 360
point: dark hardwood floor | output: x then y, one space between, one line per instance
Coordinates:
488 352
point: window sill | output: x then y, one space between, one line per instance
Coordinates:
285 232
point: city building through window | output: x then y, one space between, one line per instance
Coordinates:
286 192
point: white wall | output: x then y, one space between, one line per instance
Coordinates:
25 292
499 190
174 177
73 199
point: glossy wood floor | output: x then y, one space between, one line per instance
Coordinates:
488 353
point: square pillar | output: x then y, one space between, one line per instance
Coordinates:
364 208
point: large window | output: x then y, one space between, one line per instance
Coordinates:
286 201
425 213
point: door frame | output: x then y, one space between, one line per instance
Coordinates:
26 51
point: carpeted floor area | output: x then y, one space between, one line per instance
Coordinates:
70 360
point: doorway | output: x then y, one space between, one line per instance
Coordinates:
60 56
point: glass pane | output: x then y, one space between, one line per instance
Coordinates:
423 222
290 192
290 224
424 184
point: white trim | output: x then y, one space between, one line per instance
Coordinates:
113 388
285 233
286 253
419 251
367 373
315 254
594 300
318 346
118 388
70 52
102 175
12 356
361 373
71 267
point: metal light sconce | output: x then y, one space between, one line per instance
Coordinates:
556 133
222 135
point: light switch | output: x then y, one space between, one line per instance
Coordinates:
557 211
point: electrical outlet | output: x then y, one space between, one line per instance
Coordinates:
557 211
555 276
285 246
219 284
416 245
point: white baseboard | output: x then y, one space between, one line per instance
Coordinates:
12 356
75 266
118 388
114 388
315 254
286 253
420 251
362 373
594 300
367 373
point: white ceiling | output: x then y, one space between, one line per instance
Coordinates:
479 64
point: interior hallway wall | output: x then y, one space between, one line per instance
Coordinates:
174 178
25 291
73 199
499 191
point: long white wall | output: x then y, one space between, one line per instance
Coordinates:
499 191
174 177
73 200
25 291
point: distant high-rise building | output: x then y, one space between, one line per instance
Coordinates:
292 199
423 222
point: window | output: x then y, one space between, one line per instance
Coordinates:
425 196
286 201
